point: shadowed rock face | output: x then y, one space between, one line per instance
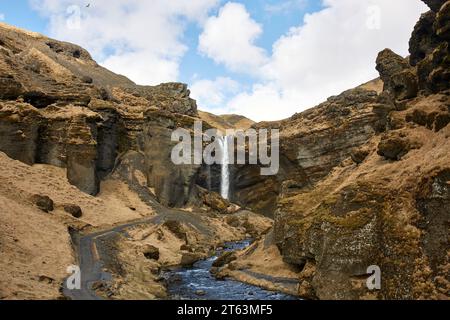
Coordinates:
429 48
19 130
433 202
173 183
435 5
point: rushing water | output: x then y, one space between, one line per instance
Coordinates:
225 174
186 283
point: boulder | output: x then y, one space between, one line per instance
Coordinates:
398 78
359 155
189 258
393 147
151 252
74 210
44 203
224 259
214 201
200 293
441 121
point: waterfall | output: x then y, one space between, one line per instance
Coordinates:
225 174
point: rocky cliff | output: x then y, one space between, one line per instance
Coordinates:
369 183
59 107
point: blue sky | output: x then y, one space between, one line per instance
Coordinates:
266 59
276 22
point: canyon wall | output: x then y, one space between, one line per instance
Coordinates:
59 107
374 188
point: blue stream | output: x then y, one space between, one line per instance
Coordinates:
184 283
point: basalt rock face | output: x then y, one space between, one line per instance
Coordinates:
19 130
173 183
429 48
423 38
377 180
59 107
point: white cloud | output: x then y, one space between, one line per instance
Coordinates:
141 39
333 50
229 38
211 95
264 102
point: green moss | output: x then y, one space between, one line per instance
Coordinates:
354 220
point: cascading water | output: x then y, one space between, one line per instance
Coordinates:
225 174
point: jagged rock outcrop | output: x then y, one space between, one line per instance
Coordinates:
423 39
398 77
429 48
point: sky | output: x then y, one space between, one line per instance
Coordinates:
264 59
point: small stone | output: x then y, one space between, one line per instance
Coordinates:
74 210
200 292
151 252
44 203
46 279
188 258
224 259
359 155
86 79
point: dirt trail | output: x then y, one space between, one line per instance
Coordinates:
90 262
